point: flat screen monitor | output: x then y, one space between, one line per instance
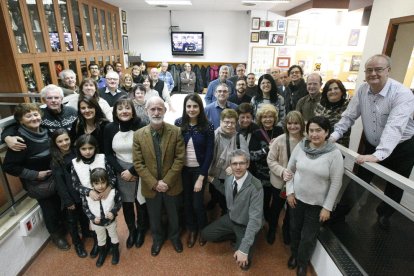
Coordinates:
187 43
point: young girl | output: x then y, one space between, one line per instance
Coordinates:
102 214
62 154
86 160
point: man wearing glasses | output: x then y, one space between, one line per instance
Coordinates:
386 108
95 74
111 93
214 109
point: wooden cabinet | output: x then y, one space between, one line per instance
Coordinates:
40 38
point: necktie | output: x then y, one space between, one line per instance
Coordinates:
234 190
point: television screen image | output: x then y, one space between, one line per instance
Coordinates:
187 43
55 43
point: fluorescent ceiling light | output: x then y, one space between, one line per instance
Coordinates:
267 1
166 2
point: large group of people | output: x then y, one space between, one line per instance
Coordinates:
256 148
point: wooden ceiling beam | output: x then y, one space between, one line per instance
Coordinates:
319 4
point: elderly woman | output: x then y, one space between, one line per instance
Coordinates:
297 87
188 79
333 103
32 166
267 93
88 87
224 143
136 74
138 98
127 83
277 160
68 80
266 119
318 167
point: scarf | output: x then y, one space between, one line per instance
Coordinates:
221 160
313 153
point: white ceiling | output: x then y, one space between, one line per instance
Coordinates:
222 5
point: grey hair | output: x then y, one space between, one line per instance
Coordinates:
112 74
224 67
65 73
222 84
153 100
240 152
49 88
387 58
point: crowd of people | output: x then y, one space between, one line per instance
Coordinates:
257 148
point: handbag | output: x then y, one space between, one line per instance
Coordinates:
41 189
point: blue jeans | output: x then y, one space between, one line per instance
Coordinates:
194 210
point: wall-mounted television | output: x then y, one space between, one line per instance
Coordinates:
187 43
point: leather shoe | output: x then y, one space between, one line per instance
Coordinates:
192 236
139 241
80 250
271 236
383 222
155 249
292 263
178 246
60 242
301 270
201 241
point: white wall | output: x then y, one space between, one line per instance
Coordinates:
226 34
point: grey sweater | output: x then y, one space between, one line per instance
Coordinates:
317 177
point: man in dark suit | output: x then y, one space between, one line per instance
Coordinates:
244 197
158 156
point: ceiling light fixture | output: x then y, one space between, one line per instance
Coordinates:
267 1
166 2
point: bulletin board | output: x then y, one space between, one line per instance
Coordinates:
261 58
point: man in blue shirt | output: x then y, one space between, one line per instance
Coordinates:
166 77
214 109
211 89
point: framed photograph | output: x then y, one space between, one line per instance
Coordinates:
125 44
256 23
355 63
264 35
276 38
290 41
123 16
292 27
124 28
281 25
254 37
284 51
353 37
302 63
283 62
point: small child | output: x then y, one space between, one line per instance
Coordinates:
102 214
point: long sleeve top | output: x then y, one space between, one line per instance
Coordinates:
100 208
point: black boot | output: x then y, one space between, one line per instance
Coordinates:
131 238
115 253
80 250
60 241
139 241
102 255
94 251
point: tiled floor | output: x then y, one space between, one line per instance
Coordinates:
212 259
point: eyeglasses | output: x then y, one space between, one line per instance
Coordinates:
295 72
235 164
94 68
53 98
222 91
229 123
376 70
112 79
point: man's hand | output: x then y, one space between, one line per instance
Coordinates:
291 200
366 158
241 258
43 174
162 187
15 143
324 215
71 207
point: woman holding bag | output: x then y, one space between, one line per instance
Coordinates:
32 166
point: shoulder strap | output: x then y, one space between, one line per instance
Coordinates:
287 146
265 135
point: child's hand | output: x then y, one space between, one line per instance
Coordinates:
110 215
97 220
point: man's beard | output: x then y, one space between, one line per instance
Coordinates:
157 120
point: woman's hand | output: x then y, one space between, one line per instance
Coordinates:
324 215
71 207
127 176
43 174
110 216
287 175
94 195
291 200
198 185
229 171
97 220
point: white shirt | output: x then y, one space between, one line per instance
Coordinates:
240 181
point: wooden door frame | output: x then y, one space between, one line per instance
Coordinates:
392 32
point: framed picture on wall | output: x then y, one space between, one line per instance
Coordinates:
124 28
255 23
292 27
290 41
276 38
264 35
353 37
355 63
281 25
125 44
254 37
123 16
283 62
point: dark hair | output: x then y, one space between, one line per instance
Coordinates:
273 92
324 96
121 101
297 67
56 154
144 77
244 108
83 140
242 78
99 115
321 121
85 81
99 174
106 70
202 121
24 108
92 64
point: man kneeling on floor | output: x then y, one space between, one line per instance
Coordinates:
244 196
